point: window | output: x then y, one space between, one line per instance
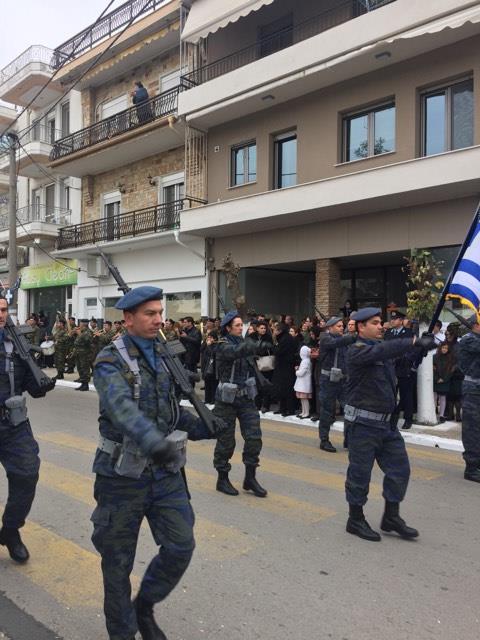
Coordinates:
111 208
447 118
186 303
51 131
171 188
65 110
170 80
111 107
50 203
285 150
369 133
244 164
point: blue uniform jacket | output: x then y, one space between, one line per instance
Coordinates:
330 345
469 361
230 350
146 421
371 382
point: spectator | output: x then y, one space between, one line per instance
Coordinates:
285 352
191 338
303 383
438 332
351 330
208 366
262 334
347 308
297 336
140 99
169 330
443 368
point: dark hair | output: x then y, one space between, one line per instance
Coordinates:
139 84
108 322
188 319
62 321
282 327
439 324
213 334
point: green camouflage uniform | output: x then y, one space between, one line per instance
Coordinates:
63 344
83 354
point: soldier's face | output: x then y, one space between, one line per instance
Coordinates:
236 328
3 313
371 329
146 321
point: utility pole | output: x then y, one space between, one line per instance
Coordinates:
12 224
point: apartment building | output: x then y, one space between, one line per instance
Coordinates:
341 134
131 161
46 200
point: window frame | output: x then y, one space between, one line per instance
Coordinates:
291 134
446 88
245 146
370 113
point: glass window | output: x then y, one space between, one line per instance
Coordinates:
285 161
179 305
244 164
65 119
448 118
369 133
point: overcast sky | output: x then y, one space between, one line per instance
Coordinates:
47 22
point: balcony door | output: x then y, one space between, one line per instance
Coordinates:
111 208
36 200
172 191
50 203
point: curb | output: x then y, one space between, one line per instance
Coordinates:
410 437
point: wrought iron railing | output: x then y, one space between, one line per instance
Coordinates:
162 217
35 53
37 213
104 28
281 39
158 107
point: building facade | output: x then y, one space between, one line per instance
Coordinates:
341 135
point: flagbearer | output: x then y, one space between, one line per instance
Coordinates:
469 361
373 434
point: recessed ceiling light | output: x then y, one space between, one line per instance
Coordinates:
268 97
382 55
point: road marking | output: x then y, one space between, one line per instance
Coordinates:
277 504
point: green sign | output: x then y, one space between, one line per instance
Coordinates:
53 274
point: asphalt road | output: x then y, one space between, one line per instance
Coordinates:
278 568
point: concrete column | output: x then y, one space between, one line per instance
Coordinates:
327 286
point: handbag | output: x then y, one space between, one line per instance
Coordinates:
266 363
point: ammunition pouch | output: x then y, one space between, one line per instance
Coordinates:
227 392
336 374
251 388
180 439
16 409
131 462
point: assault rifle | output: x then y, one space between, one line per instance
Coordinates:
170 351
23 348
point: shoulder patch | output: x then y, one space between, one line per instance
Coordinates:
359 344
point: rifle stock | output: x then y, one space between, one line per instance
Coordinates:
23 349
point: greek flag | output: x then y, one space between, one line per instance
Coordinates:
465 284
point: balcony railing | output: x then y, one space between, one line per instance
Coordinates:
282 39
158 107
162 217
37 213
35 53
101 30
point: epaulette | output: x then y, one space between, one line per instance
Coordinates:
359 344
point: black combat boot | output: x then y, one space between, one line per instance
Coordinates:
149 630
392 521
407 425
224 485
358 526
83 387
59 376
326 445
251 484
11 539
472 473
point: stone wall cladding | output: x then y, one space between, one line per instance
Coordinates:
134 178
327 286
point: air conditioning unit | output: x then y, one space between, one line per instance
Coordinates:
96 267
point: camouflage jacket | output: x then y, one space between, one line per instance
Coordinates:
83 342
62 339
146 421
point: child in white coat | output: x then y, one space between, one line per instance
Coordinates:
303 383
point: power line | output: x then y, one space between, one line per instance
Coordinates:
55 73
94 62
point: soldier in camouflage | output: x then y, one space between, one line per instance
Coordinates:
83 354
137 472
469 362
63 344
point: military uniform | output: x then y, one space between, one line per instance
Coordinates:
157 494
373 436
469 362
63 344
18 452
234 355
83 356
405 370
333 351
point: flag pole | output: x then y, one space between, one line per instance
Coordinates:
460 255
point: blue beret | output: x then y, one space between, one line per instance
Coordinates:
365 314
333 320
137 296
228 317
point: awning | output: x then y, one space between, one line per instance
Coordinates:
207 16
452 21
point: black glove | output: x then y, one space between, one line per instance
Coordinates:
50 385
426 342
163 452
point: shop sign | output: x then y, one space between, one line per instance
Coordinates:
49 275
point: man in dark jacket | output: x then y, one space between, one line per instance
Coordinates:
370 403
405 369
333 350
469 362
286 357
191 338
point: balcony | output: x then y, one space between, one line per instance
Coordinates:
7 116
125 137
36 144
332 48
107 26
23 78
151 220
35 222
4 183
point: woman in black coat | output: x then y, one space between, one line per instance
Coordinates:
286 353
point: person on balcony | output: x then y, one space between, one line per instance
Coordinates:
140 99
